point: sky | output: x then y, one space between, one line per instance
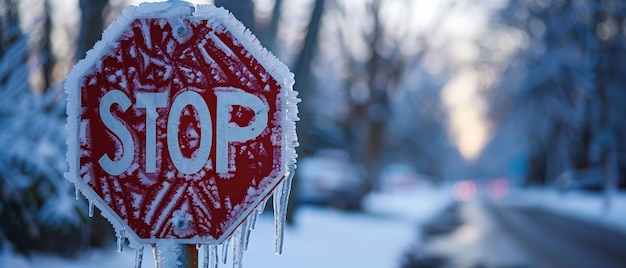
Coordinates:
456 38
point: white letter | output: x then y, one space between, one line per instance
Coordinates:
151 101
184 165
116 167
227 97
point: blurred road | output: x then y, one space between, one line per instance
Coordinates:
492 234
554 240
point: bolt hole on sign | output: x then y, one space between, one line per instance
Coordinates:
180 126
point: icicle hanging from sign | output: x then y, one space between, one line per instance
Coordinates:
138 256
238 247
90 208
213 261
281 198
120 240
225 246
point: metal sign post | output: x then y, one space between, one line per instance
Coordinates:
174 255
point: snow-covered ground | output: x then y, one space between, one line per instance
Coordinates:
325 237
321 237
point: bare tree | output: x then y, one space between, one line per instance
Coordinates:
369 116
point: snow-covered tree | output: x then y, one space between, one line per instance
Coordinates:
563 86
38 210
35 197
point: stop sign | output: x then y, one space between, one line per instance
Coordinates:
179 123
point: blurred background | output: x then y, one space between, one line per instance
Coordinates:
449 133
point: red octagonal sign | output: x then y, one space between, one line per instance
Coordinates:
179 123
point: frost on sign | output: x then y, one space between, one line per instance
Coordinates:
180 125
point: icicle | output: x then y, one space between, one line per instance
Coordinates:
77 192
138 256
278 221
205 256
213 261
240 244
252 223
281 197
90 208
262 206
253 218
120 240
225 246
250 226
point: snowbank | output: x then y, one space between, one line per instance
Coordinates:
321 237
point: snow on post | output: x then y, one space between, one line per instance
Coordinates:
180 126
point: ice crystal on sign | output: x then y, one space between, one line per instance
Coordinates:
161 56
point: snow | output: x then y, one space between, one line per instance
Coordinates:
332 238
321 237
326 237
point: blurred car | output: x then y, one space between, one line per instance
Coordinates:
498 188
589 179
398 177
465 190
330 178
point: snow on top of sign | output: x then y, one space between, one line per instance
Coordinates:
169 9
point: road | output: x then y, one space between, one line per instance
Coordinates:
491 234
554 240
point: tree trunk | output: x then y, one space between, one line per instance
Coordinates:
377 112
242 9
272 32
305 85
9 24
48 57
91 25
604 136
